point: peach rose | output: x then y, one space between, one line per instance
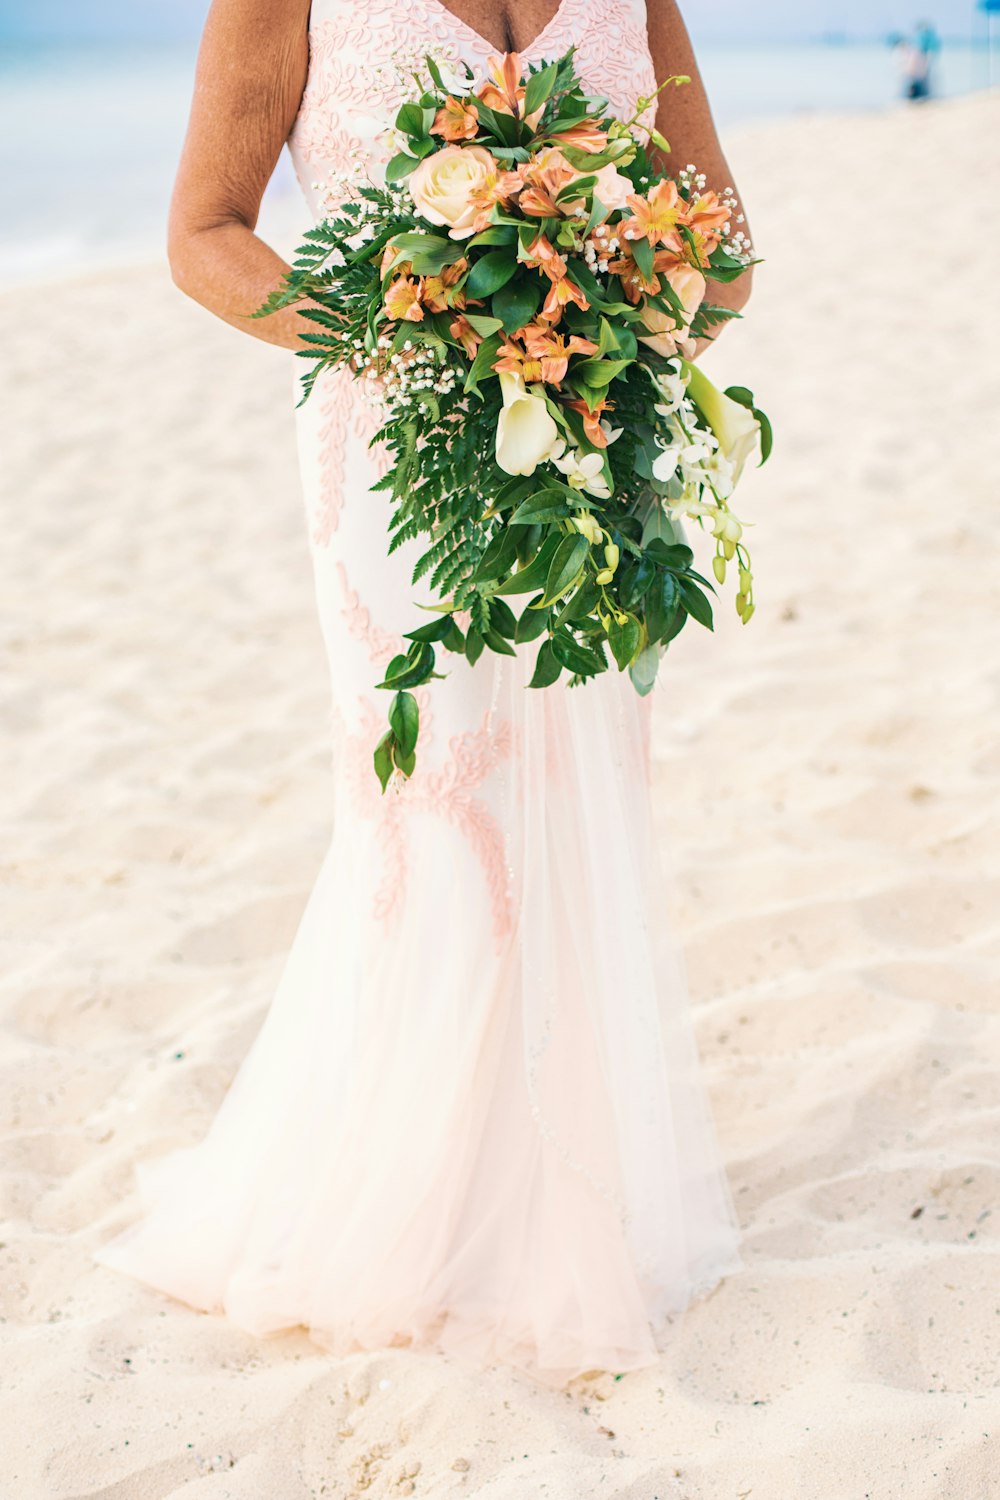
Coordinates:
444 185
667 336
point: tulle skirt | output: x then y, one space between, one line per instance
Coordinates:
473 1119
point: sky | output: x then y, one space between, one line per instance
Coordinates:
718 20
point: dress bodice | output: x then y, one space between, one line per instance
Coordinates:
356 52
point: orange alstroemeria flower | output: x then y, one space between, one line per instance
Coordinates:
503 89
456 121
706 214
561 293
586 136
500 188
438 293
553 350
655 217
461 329
514 360
545 175
402 300
592 420
634 283
541 255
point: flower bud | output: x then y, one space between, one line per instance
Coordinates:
746 580
719 567
728 547
741 603
588 527
611 556
659 140
604 576
745 616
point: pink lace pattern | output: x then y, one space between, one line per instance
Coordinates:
450 792
344 98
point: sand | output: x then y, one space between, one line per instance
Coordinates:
827 784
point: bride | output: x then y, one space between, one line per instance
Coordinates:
472 1120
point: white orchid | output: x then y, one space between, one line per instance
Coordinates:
527 434
673 387
584 471
665 464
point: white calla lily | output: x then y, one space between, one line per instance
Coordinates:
736 428
527 434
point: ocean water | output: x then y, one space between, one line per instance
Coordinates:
90 136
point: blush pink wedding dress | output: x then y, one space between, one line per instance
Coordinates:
472 1120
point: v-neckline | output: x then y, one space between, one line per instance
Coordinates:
484 41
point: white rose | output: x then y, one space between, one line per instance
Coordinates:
527 434
443 184
735 427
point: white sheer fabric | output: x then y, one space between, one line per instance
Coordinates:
473 1118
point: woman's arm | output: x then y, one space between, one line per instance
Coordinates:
685 118
251 73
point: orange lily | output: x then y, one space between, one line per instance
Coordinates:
634 284
456 121
707 214
592 420
500 188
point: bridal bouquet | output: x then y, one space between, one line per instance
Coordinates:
522 297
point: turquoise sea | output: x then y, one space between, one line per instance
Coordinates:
89 135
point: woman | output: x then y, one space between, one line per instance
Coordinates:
472 1120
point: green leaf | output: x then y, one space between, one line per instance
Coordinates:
547 667
496 234
474 644
496 643
634 580
539 87
673 554
516 303
417 666
499 556
624 640
383 759
547 505
644 669
642 251
404 721
482 365
576 657
697 604
400 166
490 273
530 625
410 119
435 630
662 603
526 580
502 618
564 569
482 324
406 763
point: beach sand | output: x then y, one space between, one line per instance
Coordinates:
827 788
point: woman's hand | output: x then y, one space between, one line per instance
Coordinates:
251 73
684 117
